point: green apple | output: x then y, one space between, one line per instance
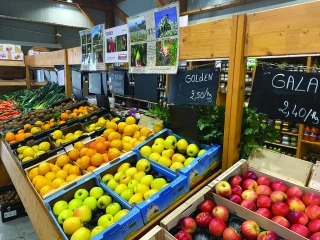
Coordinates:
112 184
143 165
157 148
74 203
167 153
145 151
170 142
164 161
96 192
127 194
84 213
182 145
120 214
120 188
176 165
159 141
104 201
59 206
113 208
106 178
125 180
91 202
202 151
141 188
71 225
81 194
178 158
136 198
65 214
158 183
81 234
188 161
105 220
131 171
149 193
96 231
192 150
146 180
124 167
139 175
154 156
119 175
132 184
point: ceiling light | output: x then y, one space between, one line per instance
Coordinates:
69 1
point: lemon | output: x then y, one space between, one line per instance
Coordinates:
35 148
69 136
29 152
27 159
44 146
157 128
93 125
57 134
78 133
97 128
101 122
21 149
20 156
39 153
59 141
35 130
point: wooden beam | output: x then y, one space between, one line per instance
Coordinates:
183 5
85 13
110 19
218 7
67 78
159 3
120 14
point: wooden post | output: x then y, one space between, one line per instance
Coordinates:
167 84
27 72
67 79
110 19
57 37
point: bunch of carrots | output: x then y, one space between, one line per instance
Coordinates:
7 110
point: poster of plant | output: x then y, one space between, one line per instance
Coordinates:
116 42
92 48
154 41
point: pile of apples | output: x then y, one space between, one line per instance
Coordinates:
82 211
287 206
215 220
171 153
134 184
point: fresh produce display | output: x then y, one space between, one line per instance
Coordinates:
287 206
76 113
60 138
89 212
28 153
135 184
125 113
7 110
9 197
100 124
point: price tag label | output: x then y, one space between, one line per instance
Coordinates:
10 214
251 62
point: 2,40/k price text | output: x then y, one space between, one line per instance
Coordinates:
298 112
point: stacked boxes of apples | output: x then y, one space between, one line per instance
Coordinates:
177 154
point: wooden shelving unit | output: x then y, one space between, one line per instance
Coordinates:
13 83
9 63
281 145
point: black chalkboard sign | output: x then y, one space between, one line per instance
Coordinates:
77 80
95 83
293 96
173 88
117 82
198 86
146 87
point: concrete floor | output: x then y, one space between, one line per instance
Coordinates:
18 229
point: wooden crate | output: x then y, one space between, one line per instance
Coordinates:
314 181
157 233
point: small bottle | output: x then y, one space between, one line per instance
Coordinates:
315 65
306 133
313 134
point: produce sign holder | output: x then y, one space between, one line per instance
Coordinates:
157 203
157 233
198 167
122 229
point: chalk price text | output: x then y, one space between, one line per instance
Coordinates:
299 112
195 95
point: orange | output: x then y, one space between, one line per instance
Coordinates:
129 130
100 139
96 160
57 182
64 116
27 127
33 173
41 183
68 111
36 179
10 137
91 168
137 143
101 147
71 177
113 136
75 110
38 123
83 151
44 168
19 137
74 170
50 175
55 168
74 154
142 138
121 127
130 120
90 152
20 131
79 145
66 167
116 144
61 122
62 174
107 132
105 157
112 125
27 135
113 153
136 127
92 145
133 140
84 162
145 132
46 127
127 146
136 135
45 190
126 139
62 160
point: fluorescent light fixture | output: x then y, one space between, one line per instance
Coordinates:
69 1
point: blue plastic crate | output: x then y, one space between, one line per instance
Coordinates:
198 167
121 229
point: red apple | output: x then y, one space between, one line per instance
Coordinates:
223 189
278 196
249 184
264 212
183 235
203 219
235 198
297 216
314 225
294 191
250 230
206 206
264 181
264 202
250 175
188 224
216 227
268 235
280 209
249 195
235 180
248 205
220 212
315 236
295 203
301 230
311 199
236 190
279 186
281 221
231 234
263 190
313 212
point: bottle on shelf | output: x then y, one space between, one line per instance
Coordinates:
315 65
313 134
306 133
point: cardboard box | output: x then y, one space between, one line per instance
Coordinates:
157 233
121 229
157 203
198 167
314 181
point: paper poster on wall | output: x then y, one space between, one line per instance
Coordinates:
154 40
11 52
92 49
116 40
